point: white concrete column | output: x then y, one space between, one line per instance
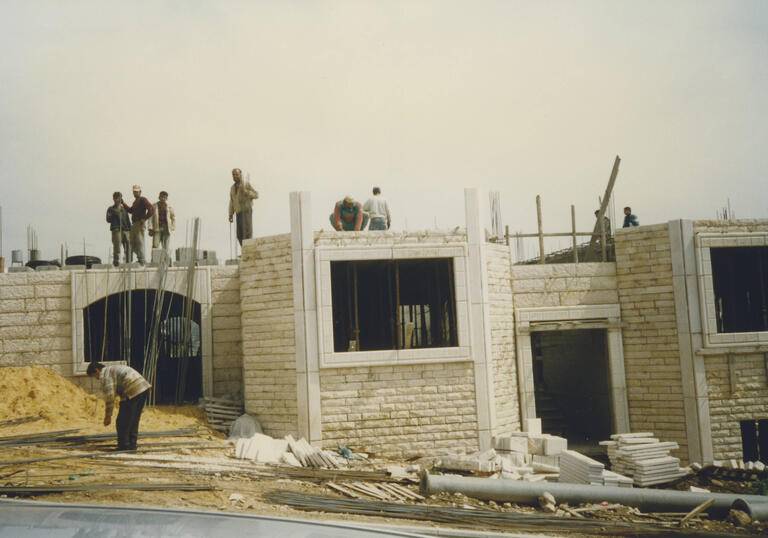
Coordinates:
689 331
305 318
480 329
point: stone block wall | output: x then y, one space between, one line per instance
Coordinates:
737 387
36 321
738 390
564 284
267 328
502 320
226 331
400 411
651 348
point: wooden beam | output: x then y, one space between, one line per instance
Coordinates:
604 205
541 229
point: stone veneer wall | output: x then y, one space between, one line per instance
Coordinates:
36 322
651 348
36 325
399 410
269 350
226 331
564 284
502 319
749 399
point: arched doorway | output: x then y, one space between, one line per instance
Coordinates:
146 329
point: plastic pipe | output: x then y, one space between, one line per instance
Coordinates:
648 500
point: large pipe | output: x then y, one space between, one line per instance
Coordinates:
648 500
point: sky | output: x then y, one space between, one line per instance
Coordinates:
422 98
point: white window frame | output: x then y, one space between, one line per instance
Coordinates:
703 243
331 359
89 286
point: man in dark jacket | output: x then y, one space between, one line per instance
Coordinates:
141 211
120 226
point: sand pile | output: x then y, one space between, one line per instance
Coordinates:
33 390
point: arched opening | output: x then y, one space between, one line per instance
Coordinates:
142 328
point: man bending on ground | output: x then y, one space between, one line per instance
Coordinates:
132 389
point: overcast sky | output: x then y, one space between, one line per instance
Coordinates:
420 98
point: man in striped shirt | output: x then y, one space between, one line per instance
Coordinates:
132 389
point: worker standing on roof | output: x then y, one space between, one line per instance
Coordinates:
241 196
378 209
141 210
162 223
132 389
348 215
120 226
629 218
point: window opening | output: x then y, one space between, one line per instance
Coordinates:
400 304
754 440
739 277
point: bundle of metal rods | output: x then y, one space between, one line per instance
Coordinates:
64 437
474 517
15 491
21 420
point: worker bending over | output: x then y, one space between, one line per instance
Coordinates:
132 388
348 215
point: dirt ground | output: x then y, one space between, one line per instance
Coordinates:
33 391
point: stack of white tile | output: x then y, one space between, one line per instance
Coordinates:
644 458
576 468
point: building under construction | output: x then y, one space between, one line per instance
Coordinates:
408 343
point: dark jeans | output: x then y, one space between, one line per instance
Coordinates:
244 225
127 422
349 226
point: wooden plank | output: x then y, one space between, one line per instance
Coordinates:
604 204
696 511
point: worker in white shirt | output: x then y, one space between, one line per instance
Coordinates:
378 209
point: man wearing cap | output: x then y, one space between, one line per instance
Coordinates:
162 223
140 211
241 197
378 209
348 215
120 226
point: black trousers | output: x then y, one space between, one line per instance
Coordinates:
127 422
244 221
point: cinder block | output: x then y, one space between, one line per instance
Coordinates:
554 445
512 444
532 425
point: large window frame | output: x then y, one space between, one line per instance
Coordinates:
329 358
704 243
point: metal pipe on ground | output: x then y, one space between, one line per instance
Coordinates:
648 500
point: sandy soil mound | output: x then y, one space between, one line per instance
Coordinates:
33 390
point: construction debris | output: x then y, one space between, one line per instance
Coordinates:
474 517
644 458
221 413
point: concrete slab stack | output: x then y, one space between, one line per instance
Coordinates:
645 458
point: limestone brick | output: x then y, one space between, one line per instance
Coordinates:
16 292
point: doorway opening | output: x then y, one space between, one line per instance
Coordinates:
571 386
119 327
